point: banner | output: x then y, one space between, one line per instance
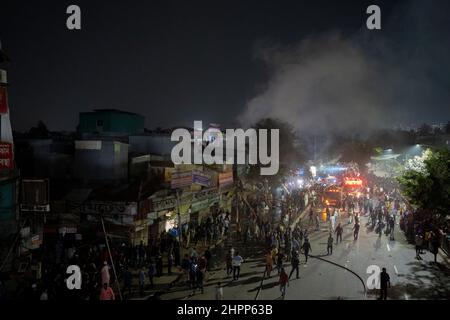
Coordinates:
3 100
201 178
168 174
6 156
181 179
225 179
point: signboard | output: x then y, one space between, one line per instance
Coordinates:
36 241
225 178
168 174
3 100
67 230
186 199
181 179
107 208
164 204
201 178
88 144
6 156
353 182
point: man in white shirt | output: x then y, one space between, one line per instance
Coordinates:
237 261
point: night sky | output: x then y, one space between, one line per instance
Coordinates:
224 61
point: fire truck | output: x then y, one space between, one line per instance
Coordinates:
332 196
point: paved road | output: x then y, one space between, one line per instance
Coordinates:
319 279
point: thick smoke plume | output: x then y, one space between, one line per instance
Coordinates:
336 83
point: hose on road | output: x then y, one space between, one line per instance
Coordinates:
345 268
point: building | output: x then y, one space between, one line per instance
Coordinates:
152 143
110 122
101 153
100 160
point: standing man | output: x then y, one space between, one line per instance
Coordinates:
237 261
385 280
333 220
339 231
306 248
208 257
434 246
330 244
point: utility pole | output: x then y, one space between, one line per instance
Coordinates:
110 255
179 235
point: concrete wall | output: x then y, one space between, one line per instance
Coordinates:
100 160
151 144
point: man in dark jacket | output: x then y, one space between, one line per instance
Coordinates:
306 249
385 280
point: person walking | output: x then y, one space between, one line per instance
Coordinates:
237 261
229 263
385 280
280 258
151 272
208 257
333 220
419 241
283 281
141 281
339 230
434 246
219 291
159 264
295 262
127 278
107 293
193 274
330 244
306 249
185 266
356 231
269 263
170 260
105 273
200 277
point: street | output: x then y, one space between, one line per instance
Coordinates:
319 279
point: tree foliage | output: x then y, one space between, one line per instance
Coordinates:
429 188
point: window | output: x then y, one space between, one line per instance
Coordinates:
99 123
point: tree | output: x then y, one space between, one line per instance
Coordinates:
40 131
428 187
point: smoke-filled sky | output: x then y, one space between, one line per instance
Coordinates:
312 63
362 80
